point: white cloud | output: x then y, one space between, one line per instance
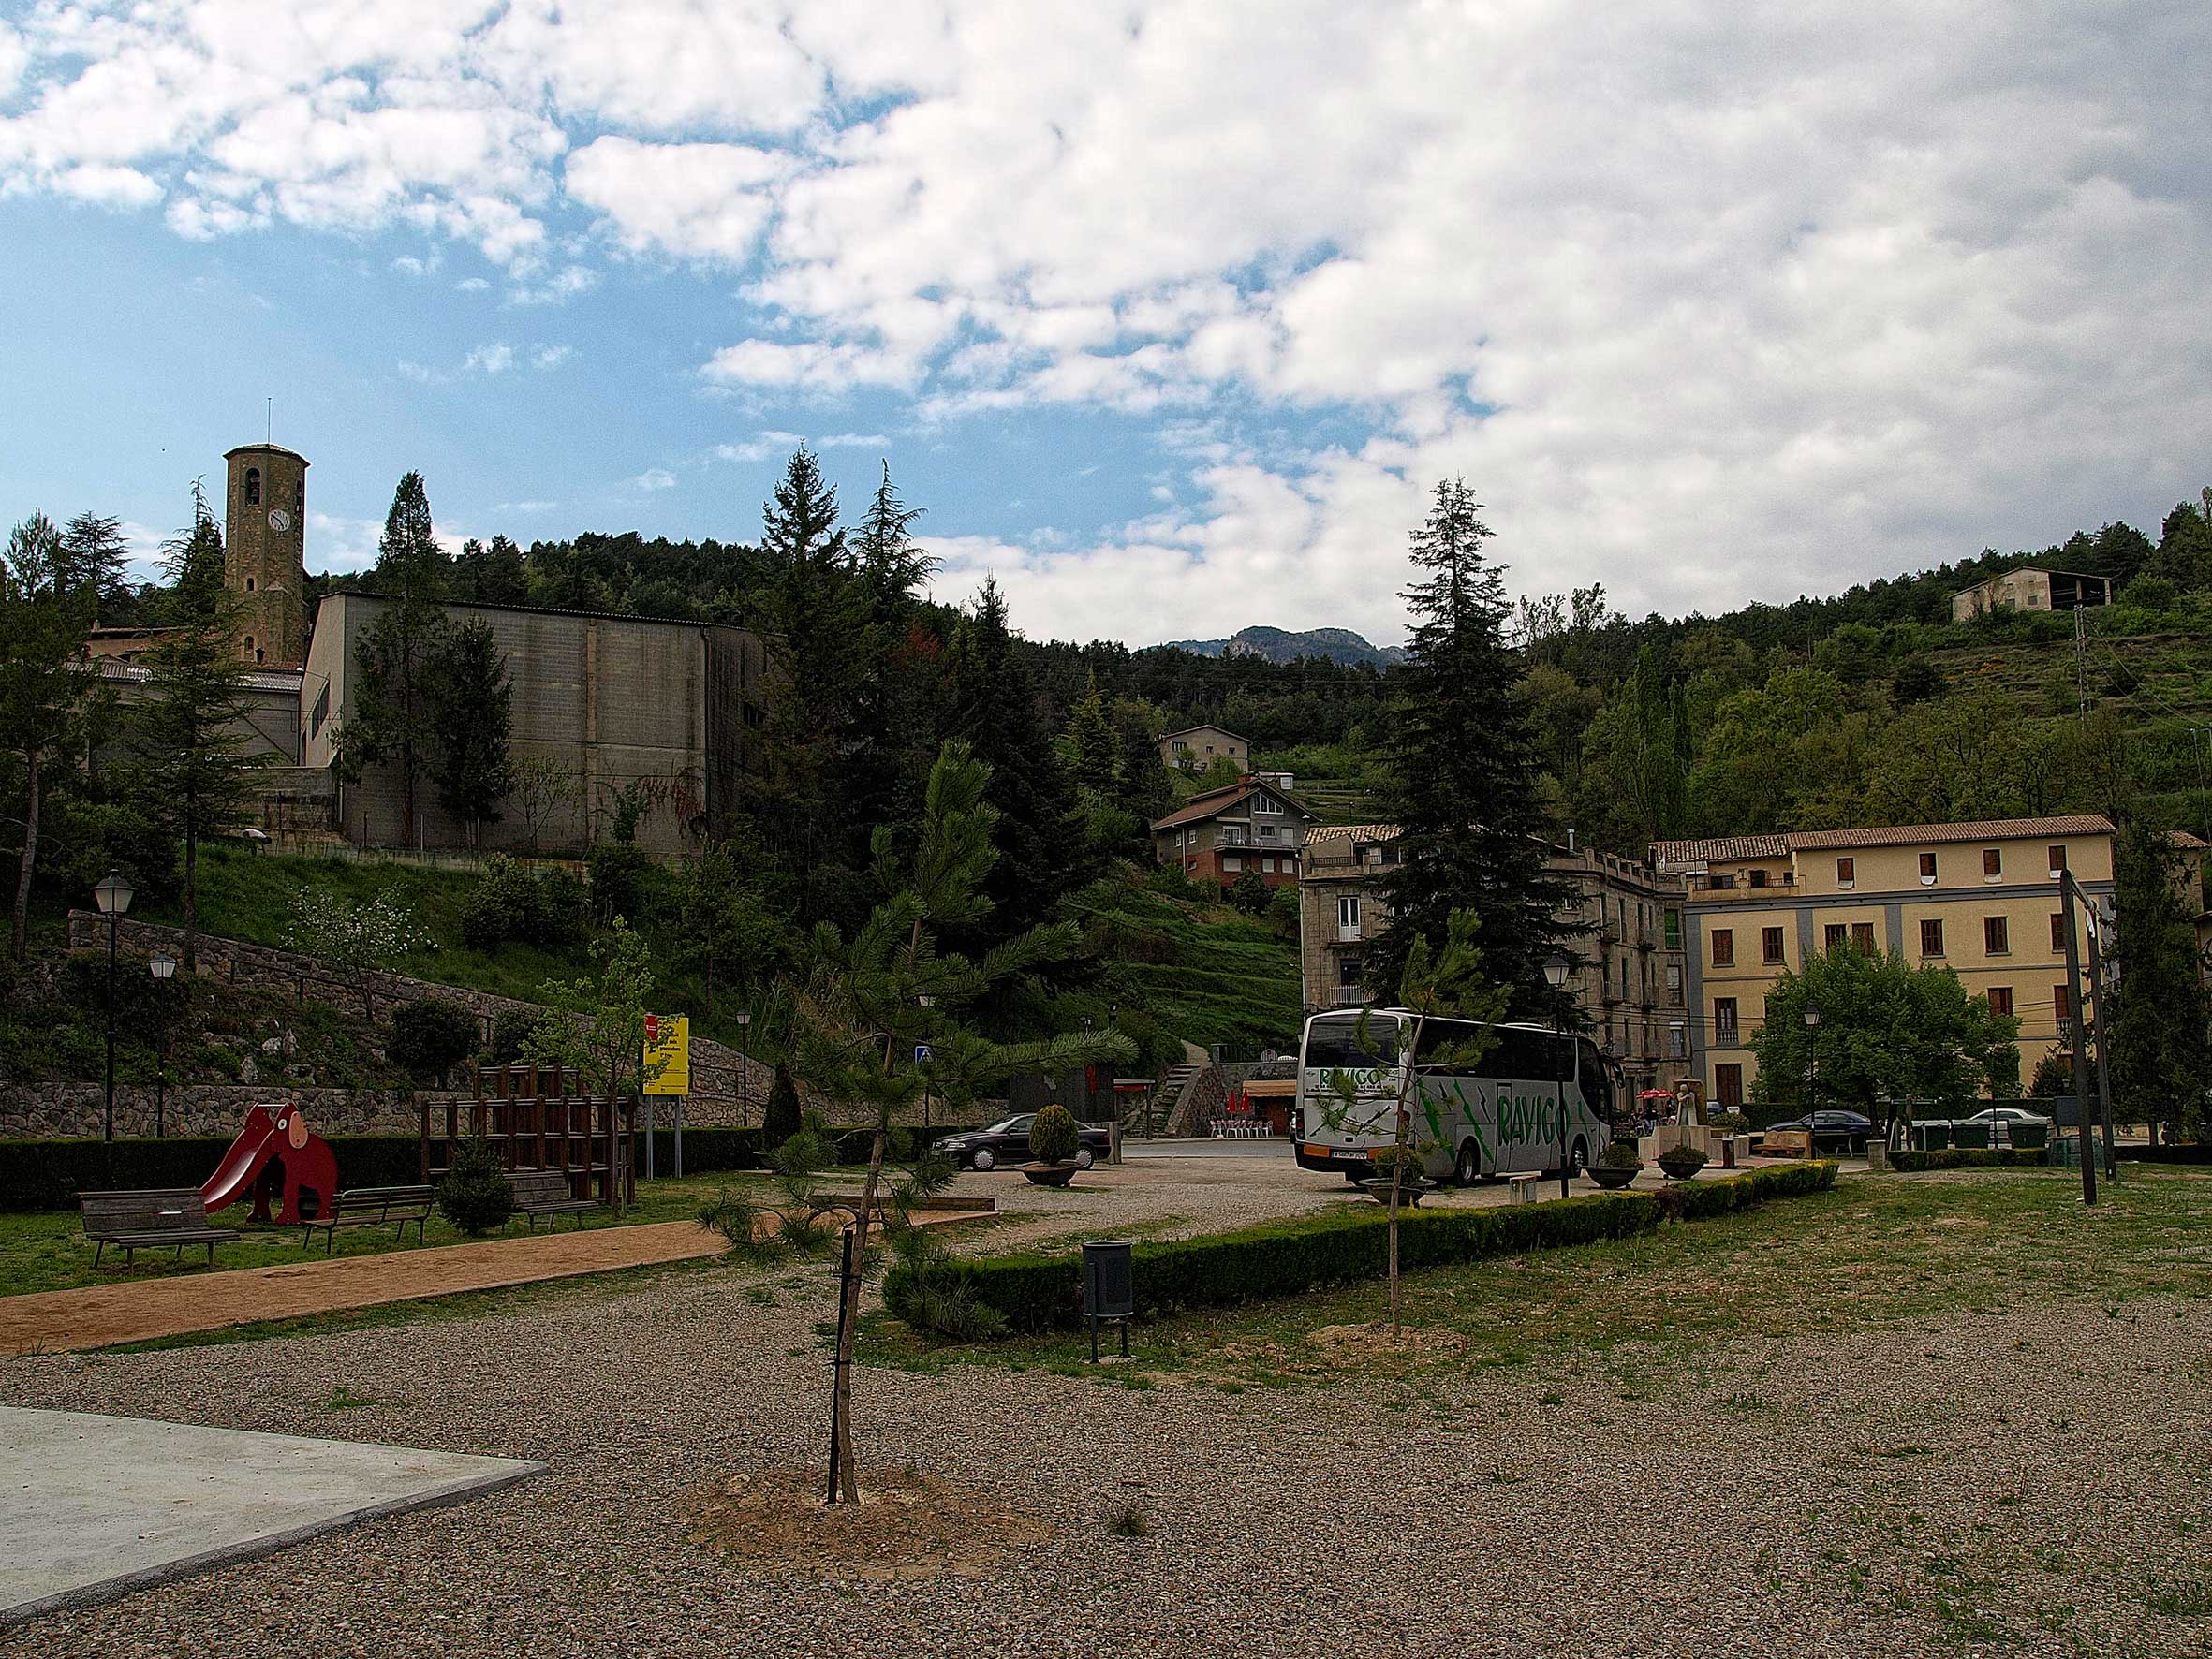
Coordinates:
761 447
526 506
657 477
494 358
488 360
471 285
550 357
1707 303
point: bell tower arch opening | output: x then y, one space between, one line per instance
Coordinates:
265 551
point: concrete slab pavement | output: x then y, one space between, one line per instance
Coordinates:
96 1506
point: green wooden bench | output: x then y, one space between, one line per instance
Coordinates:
546 1193
371 1206
147 1218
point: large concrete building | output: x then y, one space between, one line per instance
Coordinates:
1980 898
1628 979
615 700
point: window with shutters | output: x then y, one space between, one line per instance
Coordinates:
1997 935
1724 948
1931 937
2001 999
1993 862
1862 934
1770 945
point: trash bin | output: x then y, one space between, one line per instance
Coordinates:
1108 1288
1935 1137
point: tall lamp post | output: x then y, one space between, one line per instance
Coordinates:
113 896
745 1066
1812 1073
1554 973
162 967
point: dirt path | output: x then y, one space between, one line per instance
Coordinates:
102 1315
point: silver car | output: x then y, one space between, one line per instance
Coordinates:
2000 1120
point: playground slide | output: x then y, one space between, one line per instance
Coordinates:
250 1154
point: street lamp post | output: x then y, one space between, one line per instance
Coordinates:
113 897
745 1066
161 967
1554 973
1812 1074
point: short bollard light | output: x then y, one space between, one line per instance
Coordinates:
1108 1289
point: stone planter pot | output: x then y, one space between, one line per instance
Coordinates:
1678 1168
1612 1177
1049 1174
1377 1188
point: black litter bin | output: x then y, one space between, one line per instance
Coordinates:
1108 1288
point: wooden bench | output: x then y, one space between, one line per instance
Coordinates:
1522 1187
371 1206
545 1191
151 1216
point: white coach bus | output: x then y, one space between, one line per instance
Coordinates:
1502 1118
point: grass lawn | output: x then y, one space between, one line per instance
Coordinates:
1877 1251
48 1250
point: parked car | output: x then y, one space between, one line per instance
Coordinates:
1848 1130
2000 1120
1008 1142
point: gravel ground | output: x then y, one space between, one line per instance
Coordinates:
2016 1481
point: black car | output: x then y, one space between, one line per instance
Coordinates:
1008 1142
1848 1130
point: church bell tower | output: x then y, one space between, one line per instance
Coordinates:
265 552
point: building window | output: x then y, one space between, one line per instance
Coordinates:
1673 928
1931 937
1993 862
1770 945
2062 1007
1832 936
320 713
2001 999
1675 978
1724 1021
2057 860
1847 872
1997 935
1757 878
1863 936
253 486
249 584
1724 948
1267 806
1232 863
1348 972
260 656
1928 869
1347 914
1727 1084
2058 933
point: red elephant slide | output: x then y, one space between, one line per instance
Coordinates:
270 1148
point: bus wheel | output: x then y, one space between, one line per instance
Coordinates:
1467 1170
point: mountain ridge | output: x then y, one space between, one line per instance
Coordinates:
1282 645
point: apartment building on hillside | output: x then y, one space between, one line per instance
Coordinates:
1251 824
1980 898
2030 587
1629 978
1197 747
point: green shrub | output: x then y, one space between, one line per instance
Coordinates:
1980 1157
475 1194
1035 1292
430 1036
1681 1162
617 874
1051 1137
1621 1154
780 1122
509 1029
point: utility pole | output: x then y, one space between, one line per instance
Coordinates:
2081 1065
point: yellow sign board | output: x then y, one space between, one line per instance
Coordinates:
667 1044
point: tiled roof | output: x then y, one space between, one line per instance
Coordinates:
1724 849
1208 727
1919 834
1211 804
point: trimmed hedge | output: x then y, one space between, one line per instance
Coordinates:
1288 1258
2014 1157
49 1174
2168 1154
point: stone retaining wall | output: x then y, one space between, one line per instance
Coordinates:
55 1111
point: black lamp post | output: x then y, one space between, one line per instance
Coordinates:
113 896
745 1065
1554 973
1812 1075
162 967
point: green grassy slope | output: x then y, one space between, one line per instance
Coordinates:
1207 972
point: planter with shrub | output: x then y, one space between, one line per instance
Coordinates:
1617 1165
1052 1143
1411 1186
1679 1163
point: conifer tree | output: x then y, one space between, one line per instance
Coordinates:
1463 771
472 719
898 701
1097 750
198 764
394 717
2160 1018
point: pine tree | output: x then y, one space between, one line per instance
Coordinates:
994 706
472 718
393 719
199 765
1097 750
1463 769
898 699
810 612
50 690
2161 1020
95 553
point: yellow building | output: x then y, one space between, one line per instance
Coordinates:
1980 898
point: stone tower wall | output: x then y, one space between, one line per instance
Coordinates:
264 556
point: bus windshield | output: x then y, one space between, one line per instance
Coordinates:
1332 1043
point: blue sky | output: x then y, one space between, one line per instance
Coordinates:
1168 313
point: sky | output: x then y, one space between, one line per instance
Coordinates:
1170 316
